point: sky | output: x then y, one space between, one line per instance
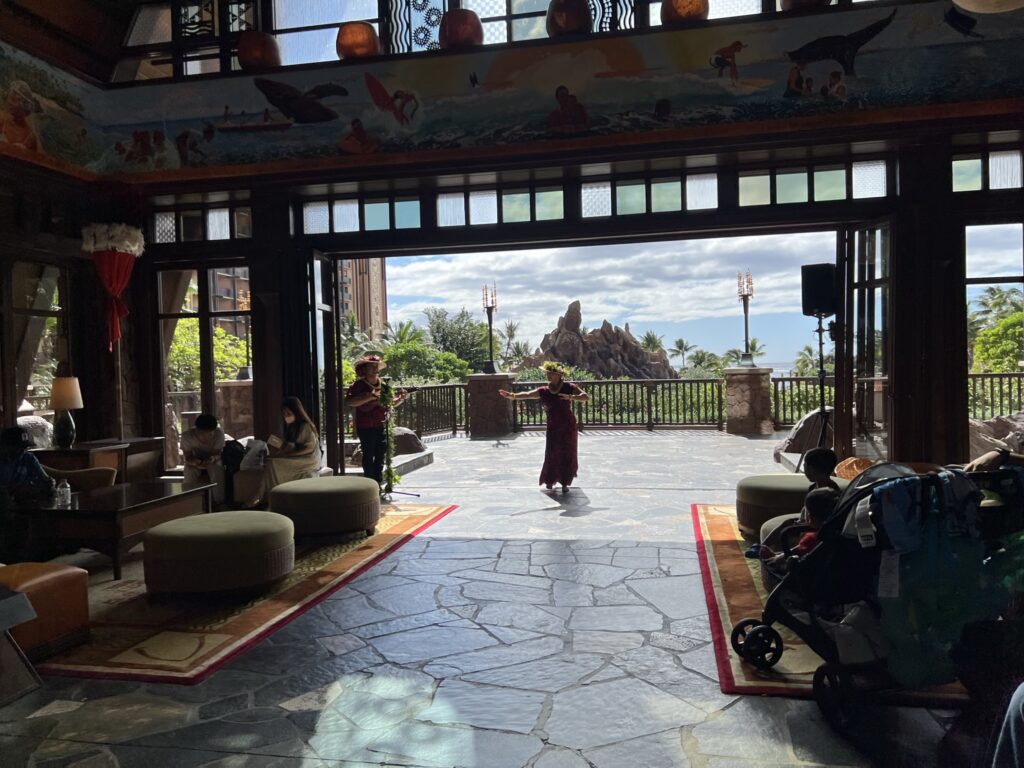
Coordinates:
679 289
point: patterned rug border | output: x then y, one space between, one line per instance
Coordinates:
723 649
202 671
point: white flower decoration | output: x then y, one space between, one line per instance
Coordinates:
122 238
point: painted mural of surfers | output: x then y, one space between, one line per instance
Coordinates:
17 117
725 59
570 117
189 144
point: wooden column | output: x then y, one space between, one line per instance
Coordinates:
929 316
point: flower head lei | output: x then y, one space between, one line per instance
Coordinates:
555 367
122 238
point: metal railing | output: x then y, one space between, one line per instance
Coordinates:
646 403
994 394
435 409
795 396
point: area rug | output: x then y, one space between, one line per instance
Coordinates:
184 639
733 589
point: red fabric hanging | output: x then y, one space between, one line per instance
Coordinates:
114 269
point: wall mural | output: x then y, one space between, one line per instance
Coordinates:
870 58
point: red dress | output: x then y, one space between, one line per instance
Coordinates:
560 462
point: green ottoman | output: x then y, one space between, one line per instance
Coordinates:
218 552
321 505
759 498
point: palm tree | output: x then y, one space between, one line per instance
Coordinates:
700 358
514 355
756 350
354 341
404 333
507 337
732 356
995 302
806 362
681 349
651 341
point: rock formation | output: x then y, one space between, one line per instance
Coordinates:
609 351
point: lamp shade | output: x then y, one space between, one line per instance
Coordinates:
65 394
357 39
258 51
673 11
568 17
460 28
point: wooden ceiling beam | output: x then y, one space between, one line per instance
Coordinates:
83 37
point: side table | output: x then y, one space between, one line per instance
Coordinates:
17 676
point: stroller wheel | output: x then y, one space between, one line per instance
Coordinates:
833 690
739 633
762 647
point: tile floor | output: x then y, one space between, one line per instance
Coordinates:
524 629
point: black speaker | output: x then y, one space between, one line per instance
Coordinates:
818 288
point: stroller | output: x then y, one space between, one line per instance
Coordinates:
883 596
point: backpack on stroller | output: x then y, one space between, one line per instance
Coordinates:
882 598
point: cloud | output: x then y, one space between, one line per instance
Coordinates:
638 283
681 288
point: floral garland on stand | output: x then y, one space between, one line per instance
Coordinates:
387 400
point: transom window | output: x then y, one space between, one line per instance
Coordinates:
991 169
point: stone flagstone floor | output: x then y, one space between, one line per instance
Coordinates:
524 629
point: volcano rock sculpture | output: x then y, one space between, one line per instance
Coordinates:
609 351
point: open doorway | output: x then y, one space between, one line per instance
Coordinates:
994 268
677 296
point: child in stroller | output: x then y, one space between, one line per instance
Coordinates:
896 574
818 507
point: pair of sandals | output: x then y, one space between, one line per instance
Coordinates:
551 487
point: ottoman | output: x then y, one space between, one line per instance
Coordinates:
759 498
59 595
218 552
329 504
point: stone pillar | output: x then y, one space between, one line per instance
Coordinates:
748 401
490 415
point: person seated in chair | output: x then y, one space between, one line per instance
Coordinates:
22 477
293 456
202 446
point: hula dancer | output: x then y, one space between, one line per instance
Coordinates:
560 457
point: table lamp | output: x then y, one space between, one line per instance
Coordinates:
65 396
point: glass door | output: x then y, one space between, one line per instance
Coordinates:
327 370
206 351
866 341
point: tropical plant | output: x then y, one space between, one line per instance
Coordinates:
651 341
995 302
354 341
405 332
681 349
461 335
515 355
183 355
806 363
732 356
998 348
756 348
704 360
991 308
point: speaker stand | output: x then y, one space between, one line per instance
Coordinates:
823 414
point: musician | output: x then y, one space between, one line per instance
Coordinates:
372 399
